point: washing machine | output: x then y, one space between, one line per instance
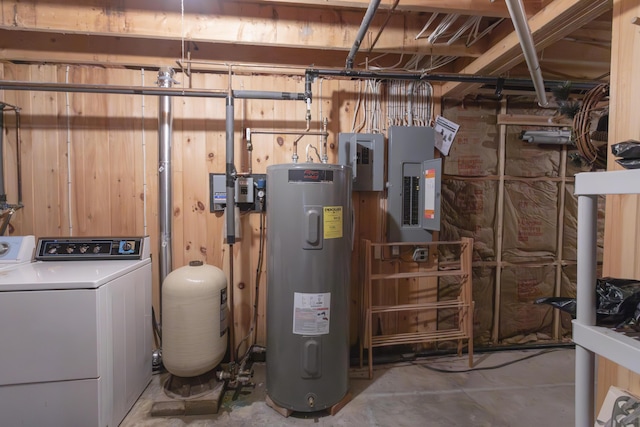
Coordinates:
16 250
75 332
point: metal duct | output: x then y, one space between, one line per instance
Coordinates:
366 21
519 19
165 199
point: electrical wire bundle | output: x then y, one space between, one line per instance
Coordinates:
582 126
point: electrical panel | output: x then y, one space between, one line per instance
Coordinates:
249 192
364 152
413 184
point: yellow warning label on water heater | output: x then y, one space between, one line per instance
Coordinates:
332 222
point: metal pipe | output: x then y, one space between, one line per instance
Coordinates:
384 24
3 194
366 21
249 158
324 158
165 199
257 94
300 134
158 91
6 217
310 74
519 19
308 79
459 78
288 132
232 335
294 156
8 107
18 156
230 172
230 209
109 89
586 303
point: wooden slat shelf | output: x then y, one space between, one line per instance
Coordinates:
438 273
421 306
417 337
462 306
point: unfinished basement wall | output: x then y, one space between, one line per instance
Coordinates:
89 165
90 168
516 200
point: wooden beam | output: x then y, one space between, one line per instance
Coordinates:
231 22
463 7
621 229
571 60
554 22
136 52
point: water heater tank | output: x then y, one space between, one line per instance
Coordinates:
194 319
309 238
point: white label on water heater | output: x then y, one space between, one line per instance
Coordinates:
311 313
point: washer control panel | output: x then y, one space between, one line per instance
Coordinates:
16 249
92 248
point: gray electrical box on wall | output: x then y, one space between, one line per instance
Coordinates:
249 190
413 184
364 152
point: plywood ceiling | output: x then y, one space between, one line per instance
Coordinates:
434 36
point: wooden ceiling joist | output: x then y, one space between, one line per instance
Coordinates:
226 22
308 33
496 9
43 47
551 24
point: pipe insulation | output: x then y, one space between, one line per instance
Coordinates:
519 19
230 212
366 21
230 173
165 194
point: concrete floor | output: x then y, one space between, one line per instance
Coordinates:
538 391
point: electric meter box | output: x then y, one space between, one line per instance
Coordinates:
414 184
364 152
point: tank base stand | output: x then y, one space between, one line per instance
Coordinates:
335 408
207 404
279 409
287 412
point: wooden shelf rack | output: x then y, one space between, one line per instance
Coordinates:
463 331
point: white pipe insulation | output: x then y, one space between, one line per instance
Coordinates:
519 19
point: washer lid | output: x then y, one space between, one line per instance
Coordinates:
60 275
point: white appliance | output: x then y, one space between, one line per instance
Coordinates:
75 333
16 250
